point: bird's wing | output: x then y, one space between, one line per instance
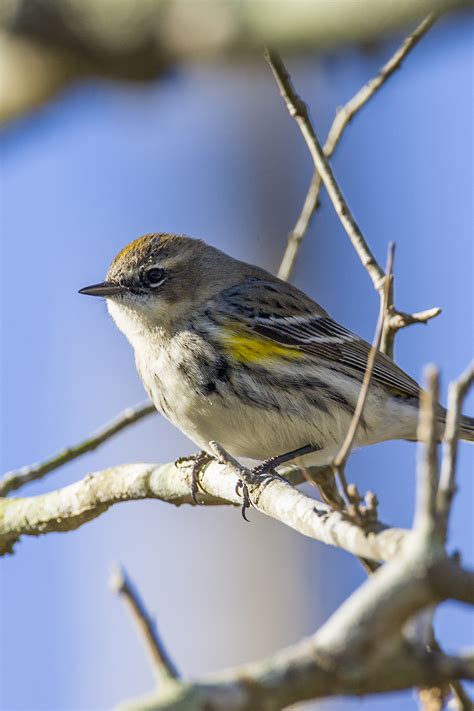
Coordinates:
279 313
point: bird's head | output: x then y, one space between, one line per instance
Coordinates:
158 280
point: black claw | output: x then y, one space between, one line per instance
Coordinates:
199 462
194 490
246 503
241 489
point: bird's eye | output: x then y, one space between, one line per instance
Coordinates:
154 276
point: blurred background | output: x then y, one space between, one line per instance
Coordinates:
207 148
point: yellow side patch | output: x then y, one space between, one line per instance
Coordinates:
251 349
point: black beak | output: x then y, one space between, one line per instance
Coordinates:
106 288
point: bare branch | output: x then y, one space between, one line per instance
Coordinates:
359 650
344 452
163 666
299 111
363 96
461 700
397 320
447 486
71 507
343 117
296 675
15 479
400 319
427 470
295 237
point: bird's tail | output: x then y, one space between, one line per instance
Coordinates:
466 428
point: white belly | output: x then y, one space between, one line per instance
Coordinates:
257 433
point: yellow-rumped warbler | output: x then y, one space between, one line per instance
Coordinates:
230 353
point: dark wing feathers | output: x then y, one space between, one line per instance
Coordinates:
282 313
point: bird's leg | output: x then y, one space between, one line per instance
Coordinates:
267 466
198 462
267 469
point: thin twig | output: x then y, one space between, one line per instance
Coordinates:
344 452
462 700
347 113
343 117
295 237
299 111
16 479
164 668
447 485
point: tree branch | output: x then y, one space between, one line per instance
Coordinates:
346 447
163 666
301 674
447 486
427 470
16 479
71 507
342 119
299 111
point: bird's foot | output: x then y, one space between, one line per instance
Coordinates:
256 477
248 478
198 463
252 478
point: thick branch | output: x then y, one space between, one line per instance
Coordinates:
301 674
343 117
15 479
71 507
358 651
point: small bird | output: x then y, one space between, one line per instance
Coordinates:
228 352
